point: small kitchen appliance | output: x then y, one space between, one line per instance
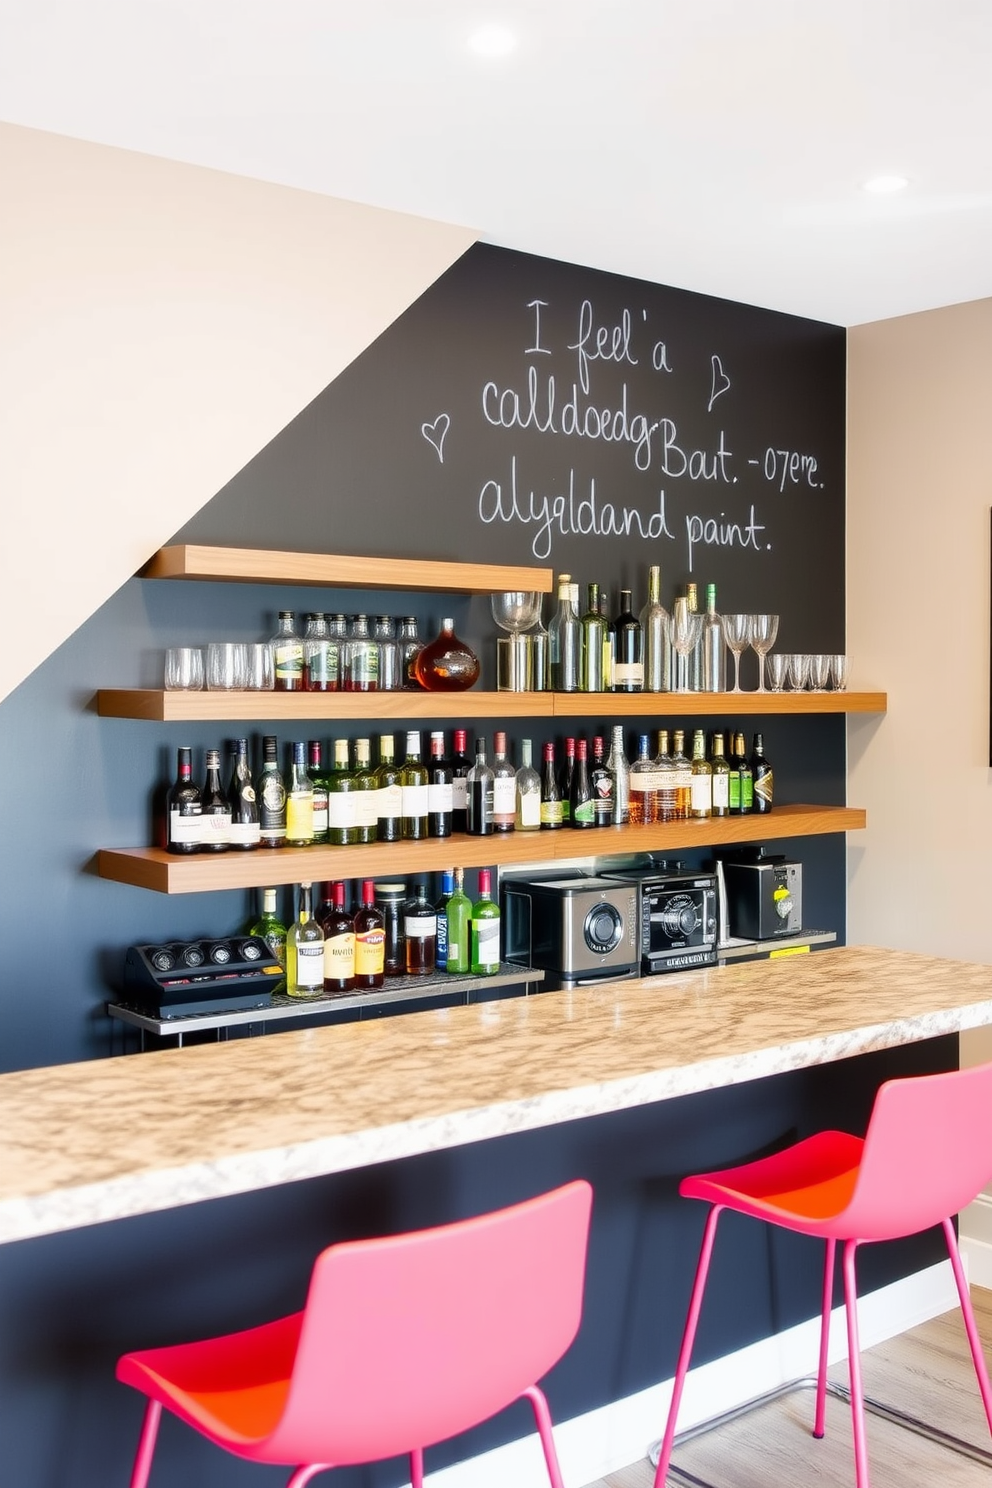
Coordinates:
764 894
679 916
578 930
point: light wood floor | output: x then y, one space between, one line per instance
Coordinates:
926 1373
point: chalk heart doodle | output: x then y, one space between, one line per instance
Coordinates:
436 433
720 382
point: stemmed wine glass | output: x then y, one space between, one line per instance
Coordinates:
684 631
764 629
737 634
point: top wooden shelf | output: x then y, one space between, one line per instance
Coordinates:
337 570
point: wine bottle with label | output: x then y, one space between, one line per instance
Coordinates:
299 800
593 638
528 791
763 775
682 771
552 814
245 828
480 794
565 780
619 767
504 787
601 781
440 792
441 909
370 940
746 774
565 640
460 766
184 808
459 917
582 807
415 787
390 792
366 789
215 816
305 952
628 669
720 766
702 778
342 810
339 943
318 779
271 796
269 927
485 929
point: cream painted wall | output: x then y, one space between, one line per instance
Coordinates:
919 499
159 324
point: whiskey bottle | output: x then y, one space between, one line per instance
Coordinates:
668 803
643 786
287 654
420 929
682 774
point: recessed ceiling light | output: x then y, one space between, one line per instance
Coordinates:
492 41
885 185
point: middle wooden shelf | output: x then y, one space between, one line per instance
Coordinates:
151 868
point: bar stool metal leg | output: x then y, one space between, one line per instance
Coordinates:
854 1366
820 1417
688 1338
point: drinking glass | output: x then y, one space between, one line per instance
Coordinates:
259 674
778 666
183 668
225 666
819 673
798 670
737 634
515 610
838 673
684 631
764 629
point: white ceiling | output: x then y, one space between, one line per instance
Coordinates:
718 145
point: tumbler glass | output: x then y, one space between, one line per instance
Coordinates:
819 673
838 673
183 669
798 670
259 675
225 666
778 665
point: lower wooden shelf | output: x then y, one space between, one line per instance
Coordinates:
151 868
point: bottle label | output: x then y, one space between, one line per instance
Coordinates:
747 792
440 799
702 794
504 795
628 674
339 957
486 942
530 808
287 658
319 811
415 800
420 927
584 813
299 817
367 811
185 828
764 788
245 834
341 809
215 828
310 964
441 948
370 952
459 793
273 802
734 791
390 801
551 813
721 791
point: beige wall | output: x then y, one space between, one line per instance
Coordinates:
159 324
919 499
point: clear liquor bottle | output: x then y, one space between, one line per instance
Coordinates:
317 654
271 796
528 791
702 779
305 952
361 658
287 654
420 930
565 640
593 638
440 795
628 669
682 772
299 800
184 808
245 829
713 647
390 792
390 654
215 816
485 929
339 943
688 670
410 646
619 767
504 786
655 632
415 791
342 806
643 786
480 794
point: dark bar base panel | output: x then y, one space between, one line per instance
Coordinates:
71 1303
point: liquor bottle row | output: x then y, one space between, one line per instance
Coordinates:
367 654
413 799
337 948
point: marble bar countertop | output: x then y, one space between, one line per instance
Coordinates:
105 1139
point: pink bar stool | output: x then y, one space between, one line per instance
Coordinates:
403 1342
924 1157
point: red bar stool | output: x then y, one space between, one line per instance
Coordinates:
925 1156
403 1342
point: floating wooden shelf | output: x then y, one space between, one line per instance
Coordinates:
339 570
175 707
151 868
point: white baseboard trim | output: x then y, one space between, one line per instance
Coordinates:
976 1240
614 1436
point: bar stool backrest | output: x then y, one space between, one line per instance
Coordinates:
409 1339
927 1153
